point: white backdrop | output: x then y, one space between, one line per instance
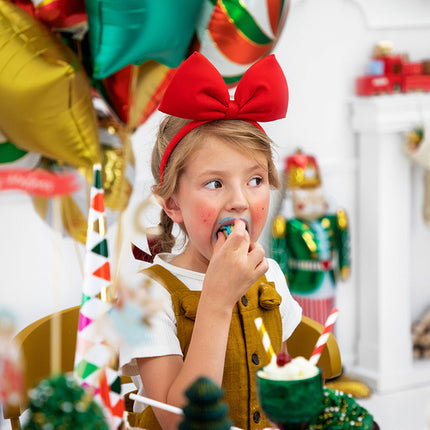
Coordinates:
325 45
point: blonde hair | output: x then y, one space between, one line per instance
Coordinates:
241 134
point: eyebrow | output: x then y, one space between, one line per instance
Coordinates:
218 172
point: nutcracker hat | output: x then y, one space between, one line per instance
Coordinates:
302 171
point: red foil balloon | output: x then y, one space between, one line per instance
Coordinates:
135 91
63 15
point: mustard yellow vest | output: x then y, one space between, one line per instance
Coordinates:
245 351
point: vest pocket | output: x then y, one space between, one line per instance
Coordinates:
269 298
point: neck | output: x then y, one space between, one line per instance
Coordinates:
190 260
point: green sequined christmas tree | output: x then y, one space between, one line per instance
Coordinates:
59 402
206 410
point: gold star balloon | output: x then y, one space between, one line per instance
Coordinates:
46 104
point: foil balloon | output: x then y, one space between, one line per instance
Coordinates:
234 34
13 157
134 92
117 179
133 31
46 96
60 15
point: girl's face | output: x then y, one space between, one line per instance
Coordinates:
219 184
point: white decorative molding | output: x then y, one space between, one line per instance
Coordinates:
390 113
384 14
384 351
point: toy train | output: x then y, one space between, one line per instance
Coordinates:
390 74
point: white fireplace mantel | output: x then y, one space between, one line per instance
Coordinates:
384 355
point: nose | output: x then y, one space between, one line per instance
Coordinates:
237 199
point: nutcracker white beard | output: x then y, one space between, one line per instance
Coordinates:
309 204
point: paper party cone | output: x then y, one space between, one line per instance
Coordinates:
96 361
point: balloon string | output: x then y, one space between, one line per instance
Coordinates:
118 253
79 258
78 48
132 98
120 239
126 139
55 345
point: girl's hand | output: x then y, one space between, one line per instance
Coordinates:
235 265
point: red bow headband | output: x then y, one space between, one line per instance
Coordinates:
198 92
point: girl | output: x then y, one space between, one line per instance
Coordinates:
211 172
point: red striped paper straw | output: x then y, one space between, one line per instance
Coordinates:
322 340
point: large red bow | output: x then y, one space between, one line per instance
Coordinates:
198 92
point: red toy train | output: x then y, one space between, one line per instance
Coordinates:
390 73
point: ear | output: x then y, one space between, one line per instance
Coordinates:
172 209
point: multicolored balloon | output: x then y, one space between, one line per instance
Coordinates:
134 92
234 34
46 96
133 31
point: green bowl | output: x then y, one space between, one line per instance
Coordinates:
291 404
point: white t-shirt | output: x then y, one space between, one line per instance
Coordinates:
161 338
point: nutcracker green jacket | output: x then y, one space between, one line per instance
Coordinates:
297 246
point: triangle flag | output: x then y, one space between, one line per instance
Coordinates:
98 203
83 321
101 248
103 272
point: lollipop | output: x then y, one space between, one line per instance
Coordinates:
227 225
226 229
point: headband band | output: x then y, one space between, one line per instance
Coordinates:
198 92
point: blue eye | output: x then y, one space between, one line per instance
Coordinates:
255 182
213 184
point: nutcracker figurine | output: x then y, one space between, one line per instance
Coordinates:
312 247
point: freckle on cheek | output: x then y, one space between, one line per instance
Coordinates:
260 213
207 216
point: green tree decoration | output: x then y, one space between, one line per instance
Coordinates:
206 409
59 402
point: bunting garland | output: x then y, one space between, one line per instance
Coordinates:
96 361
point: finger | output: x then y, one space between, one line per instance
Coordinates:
220 241
262 267
240 225
239 237
256 254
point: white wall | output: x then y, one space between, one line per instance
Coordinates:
325 45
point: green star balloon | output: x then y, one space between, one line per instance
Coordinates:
133 31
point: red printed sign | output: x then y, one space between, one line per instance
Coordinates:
38 182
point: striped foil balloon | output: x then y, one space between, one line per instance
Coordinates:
234 34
